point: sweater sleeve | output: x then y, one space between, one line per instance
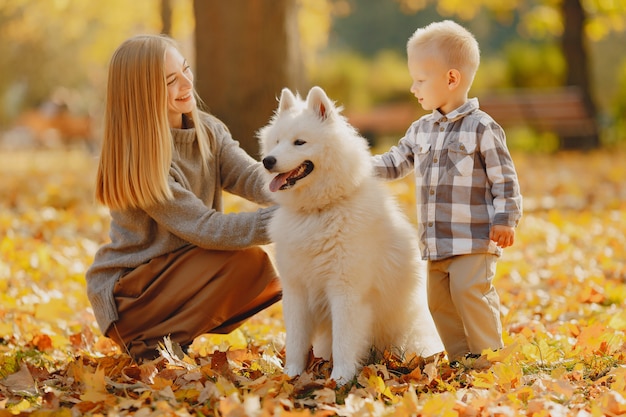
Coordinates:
187 217
240 174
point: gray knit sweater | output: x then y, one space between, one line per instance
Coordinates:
193 217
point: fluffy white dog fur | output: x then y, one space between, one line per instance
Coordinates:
346 255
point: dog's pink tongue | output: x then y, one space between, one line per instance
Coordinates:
278 181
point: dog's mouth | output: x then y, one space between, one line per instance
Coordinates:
286 180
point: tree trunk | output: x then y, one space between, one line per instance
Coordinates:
576 57
166 17
246 52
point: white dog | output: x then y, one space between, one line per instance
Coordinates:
346 255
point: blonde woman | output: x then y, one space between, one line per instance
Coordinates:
176 264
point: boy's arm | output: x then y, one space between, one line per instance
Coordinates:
396 163
501 174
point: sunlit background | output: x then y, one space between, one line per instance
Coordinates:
54 55
553 73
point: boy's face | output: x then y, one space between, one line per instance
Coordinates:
434 85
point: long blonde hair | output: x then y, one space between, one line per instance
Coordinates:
137 144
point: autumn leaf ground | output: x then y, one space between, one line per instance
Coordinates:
563 290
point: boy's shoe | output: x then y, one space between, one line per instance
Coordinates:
467 361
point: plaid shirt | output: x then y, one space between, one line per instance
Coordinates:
464 176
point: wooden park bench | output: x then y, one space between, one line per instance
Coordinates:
561 111
53 125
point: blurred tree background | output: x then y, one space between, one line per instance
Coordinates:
54 56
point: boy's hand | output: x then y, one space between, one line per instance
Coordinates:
504 236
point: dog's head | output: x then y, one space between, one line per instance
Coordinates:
309 144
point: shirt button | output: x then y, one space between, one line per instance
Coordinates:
432 192
441 129
462 147
430 224
435 160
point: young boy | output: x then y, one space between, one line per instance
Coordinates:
468 196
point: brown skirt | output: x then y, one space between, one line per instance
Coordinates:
190 292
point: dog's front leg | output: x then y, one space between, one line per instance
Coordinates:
299 328
323 340
351 335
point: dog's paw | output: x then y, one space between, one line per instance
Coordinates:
343 376
293 370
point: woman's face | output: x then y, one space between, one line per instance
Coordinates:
179 79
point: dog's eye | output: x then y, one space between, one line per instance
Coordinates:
299 142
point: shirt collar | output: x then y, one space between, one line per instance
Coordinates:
456 114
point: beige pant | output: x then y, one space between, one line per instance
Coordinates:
464 304
190 292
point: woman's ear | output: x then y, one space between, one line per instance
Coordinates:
454 79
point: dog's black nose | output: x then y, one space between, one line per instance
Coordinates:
269 162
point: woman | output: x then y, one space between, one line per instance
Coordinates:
176 265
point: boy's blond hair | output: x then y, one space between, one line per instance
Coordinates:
452 43
137 142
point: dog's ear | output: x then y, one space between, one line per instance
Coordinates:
287 100
318 101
